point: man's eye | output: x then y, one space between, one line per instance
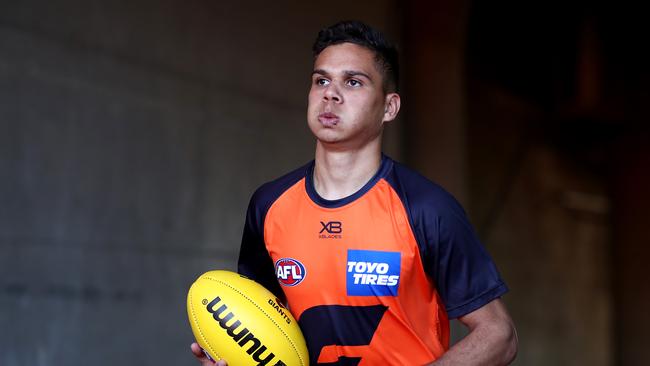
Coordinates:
321 81
353 82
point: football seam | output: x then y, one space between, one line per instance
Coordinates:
199 327
302 362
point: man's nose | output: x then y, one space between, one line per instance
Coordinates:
332 94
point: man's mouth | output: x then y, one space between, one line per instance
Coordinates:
328 119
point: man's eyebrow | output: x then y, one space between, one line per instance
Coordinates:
346 72
357 73
320 71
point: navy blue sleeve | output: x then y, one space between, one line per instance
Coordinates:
465 275
254 259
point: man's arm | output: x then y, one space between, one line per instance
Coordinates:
492 338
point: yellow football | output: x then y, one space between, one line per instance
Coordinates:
238 320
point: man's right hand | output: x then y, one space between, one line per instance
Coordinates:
205 361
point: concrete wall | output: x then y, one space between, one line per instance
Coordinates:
132 135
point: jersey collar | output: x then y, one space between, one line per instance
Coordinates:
384 167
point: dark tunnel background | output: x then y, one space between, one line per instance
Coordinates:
133 133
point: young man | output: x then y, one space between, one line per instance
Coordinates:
372 258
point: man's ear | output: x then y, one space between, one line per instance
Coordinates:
391 106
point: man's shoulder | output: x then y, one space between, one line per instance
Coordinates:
419 192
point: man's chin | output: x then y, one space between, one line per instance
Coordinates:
330 139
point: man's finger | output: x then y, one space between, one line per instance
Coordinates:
197 351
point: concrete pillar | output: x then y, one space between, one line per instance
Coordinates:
433 77
434 135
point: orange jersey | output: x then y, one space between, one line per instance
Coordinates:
374 277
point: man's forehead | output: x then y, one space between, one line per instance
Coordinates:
346 57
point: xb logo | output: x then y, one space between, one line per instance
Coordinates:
331 230
332 227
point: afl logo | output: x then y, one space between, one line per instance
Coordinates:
289 271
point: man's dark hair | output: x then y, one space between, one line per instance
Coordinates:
361 34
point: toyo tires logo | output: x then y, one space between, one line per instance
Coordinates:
289 271
373 273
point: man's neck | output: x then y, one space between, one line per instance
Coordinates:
338 174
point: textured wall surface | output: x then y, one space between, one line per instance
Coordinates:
131 137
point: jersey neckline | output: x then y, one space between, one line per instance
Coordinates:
384 167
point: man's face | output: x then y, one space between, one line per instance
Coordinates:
346 99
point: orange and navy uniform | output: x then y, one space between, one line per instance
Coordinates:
374 277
